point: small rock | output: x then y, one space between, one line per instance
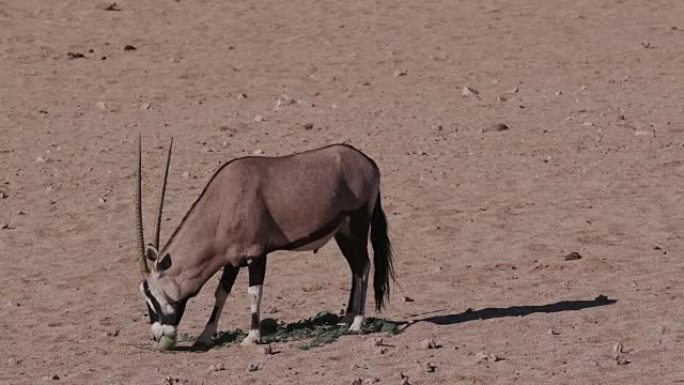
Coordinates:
129 47
382 350
572 256
601 299
621 360
430 343
398 73
55 377
617 348
185 175
501 98
40 159
216 368
553 332
5 226
646 44
588 124
620 117
497 127
515 90
430 367
559 93
75 55
371 381
145 106
253 367
113 333
3 195
404 379
643 133
259 118
242 96
113 6
284 100
101 106
308 126
408 299
258 151
376 341
468 91
102 201
268 350
357 381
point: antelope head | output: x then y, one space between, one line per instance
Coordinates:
164 312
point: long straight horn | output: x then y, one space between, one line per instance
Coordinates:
160 208
144 269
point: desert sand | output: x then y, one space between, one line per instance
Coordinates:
592 162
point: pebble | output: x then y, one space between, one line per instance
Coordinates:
620 117
259 118
113 6
553 332
430 343
258 151
376 341
216 368
497 127
643 133
40 159
357 381
3 195
617 348
572 256
646 44
101 106
284 100
467 91
620 360
408 299
398 73
253 367
129 47
308 126
430 367
145 106
268 350
242 96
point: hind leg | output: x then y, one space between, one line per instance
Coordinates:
353 242
222 291
257 272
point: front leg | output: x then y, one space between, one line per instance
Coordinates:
257 271
222 291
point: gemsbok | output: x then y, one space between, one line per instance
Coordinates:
254 205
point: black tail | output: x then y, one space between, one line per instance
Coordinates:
382 256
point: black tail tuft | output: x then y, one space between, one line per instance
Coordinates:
382 256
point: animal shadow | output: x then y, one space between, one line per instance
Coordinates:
517 311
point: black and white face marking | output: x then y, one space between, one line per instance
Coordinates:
164 316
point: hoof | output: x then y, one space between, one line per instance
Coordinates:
251 339
356 324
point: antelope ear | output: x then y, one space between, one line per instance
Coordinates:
151 253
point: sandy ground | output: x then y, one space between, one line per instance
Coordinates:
592 162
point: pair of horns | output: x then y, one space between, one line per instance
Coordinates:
144 269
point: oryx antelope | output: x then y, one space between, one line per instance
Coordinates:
255 205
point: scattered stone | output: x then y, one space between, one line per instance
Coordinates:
430 367
102 201
382 350
482 356
617 348
113 333
553 332
145 106
284 100
588 124
515 90
408 299
308 126
216 368
371 381
496 127
3 195
75 55
268 350
398 73
129 47
430 343
621 360
113 6
101 106
258 151
501 98
559 93
242 96
5 226
55 377
357 381
259 118
620 117
40 159
404 379
643 133
601 299
253 367
468 91
572 256
376 341
646 44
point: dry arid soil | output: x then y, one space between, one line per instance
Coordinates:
592 162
